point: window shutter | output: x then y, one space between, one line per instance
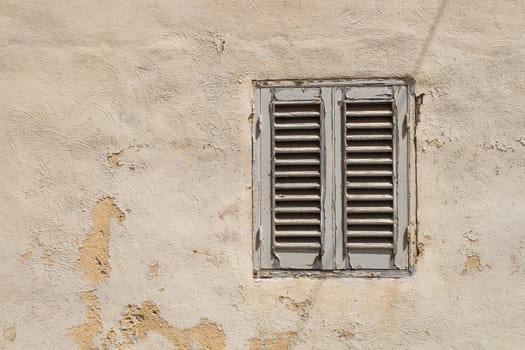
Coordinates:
297 179
372 136
331 176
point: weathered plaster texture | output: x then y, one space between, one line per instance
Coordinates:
126 174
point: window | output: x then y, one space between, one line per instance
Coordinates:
331 177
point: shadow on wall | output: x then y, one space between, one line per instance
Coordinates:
430 36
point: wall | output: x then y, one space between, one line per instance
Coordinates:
125 141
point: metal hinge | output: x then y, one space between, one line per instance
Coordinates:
257 234
259 124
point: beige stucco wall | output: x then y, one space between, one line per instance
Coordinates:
125 137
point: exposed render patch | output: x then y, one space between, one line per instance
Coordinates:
94 260
114 159
26 257
345 334
48 260
154 269
472 264
279 341
85 334
471 236
300 307
94 253
10 334
138 322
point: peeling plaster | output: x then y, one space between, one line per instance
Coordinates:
273 341
472 264
94 253
139 321
10 334
26 257
48 260
300 307
94 260
154 269
85 334
114 159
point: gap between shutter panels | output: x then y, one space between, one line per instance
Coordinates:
369 176
297 187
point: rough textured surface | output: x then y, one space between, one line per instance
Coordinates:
141 108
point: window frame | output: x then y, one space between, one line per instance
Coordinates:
262 160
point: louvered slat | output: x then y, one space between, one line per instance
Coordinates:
297 178
369 182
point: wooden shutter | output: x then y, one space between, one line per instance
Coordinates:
297 180
297 183
331 177
373 139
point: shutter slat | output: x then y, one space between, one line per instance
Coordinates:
297 234
297 126
370 221
291 138
369 161
378 185
369 173
369 210
297 210
369 183
367 137
371 234
369 149
369 197
369 113
362 245
369 125
298 246
297 174
297 150
296 114
297 161
285 197
293 185
297 221
297 183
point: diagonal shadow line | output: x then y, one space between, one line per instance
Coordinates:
430 36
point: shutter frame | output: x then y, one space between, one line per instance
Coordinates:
335 260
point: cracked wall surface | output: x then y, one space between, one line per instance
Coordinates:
125 136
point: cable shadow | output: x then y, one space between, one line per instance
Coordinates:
430 36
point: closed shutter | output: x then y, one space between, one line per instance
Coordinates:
331 177
370 125
298 179
369 181
297 183
297 129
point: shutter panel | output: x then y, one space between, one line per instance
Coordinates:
297 178
369 177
